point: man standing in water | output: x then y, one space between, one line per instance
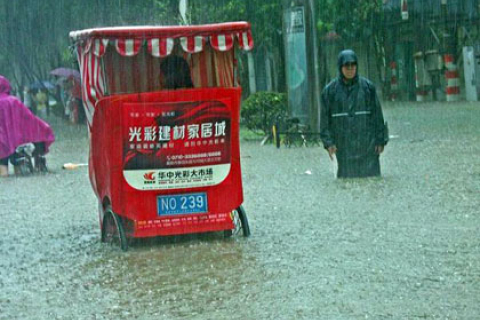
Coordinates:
351 121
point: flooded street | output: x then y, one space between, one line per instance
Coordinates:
404 246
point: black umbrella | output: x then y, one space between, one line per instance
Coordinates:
42 85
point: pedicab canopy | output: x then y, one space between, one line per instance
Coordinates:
120 60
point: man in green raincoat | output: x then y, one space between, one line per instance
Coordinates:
351 121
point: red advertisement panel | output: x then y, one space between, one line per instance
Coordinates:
173 145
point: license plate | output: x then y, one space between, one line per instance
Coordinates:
182 204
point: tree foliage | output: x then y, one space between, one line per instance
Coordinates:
262 109
353 20
34 34
259 13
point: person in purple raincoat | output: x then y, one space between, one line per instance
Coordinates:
18 125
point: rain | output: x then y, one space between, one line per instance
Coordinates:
306 243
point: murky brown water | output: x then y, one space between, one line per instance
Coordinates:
404 246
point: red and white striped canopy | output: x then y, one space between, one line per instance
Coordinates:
160 41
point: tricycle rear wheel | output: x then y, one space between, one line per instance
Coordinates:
113 231
240 222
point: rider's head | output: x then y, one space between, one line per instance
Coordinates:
175 73
4 85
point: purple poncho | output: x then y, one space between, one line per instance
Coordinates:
18 124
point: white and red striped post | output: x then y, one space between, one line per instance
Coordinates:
453 79
422 78
404 9
393 81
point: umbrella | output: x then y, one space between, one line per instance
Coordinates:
42 85
66 73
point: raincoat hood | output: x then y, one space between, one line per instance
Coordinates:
4 85
344 57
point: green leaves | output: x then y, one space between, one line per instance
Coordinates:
348 18
265 16
261 110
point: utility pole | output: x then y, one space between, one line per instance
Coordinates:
446 41
301 55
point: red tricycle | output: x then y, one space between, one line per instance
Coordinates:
164 151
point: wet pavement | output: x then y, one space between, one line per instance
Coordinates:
404 246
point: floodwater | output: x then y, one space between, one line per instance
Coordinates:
404 246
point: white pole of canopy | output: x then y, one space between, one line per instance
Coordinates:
182 7
251 73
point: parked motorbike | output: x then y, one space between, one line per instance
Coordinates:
26 162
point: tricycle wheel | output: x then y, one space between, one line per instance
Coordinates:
113 231
240 222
